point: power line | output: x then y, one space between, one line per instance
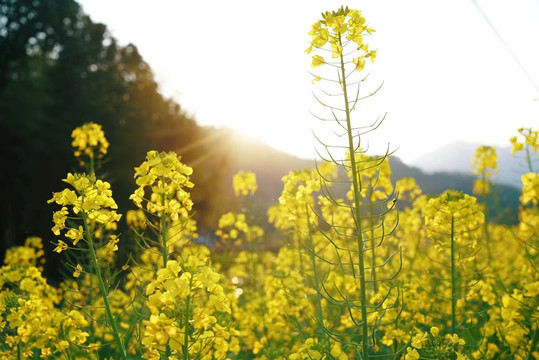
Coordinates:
504 43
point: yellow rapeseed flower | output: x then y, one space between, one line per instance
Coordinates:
481 187
78 270
530 189
61 246
455 340
75 234
340 28
90 140
317 61
485 161
411 354
167 177
528 137
244 183
420 340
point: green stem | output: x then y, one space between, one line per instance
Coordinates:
363 327
136 326
248 209
373 254
104 292
92 166
164 251
416 252
487 235
252 246
252 264
67 352
298 243
186 324
453 279
529 356
90 278
320 313
164 229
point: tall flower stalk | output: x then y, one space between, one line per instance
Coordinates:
185 309
485 164
167 201
454 221
90 203
341 35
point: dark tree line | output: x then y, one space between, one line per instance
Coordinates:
58 70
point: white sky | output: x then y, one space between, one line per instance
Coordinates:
242 64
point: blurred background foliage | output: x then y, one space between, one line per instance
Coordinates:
58 70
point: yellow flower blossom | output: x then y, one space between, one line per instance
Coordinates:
59 219
411 354
529 137
360 63
455 340
90 140
485 161
61 246
244 183
337 353
167 177
317 61
420 340
75 234
78 270
530 189
337 27
481 187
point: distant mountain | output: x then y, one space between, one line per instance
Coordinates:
457 158
503 205
270 165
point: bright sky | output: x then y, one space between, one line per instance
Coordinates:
241 64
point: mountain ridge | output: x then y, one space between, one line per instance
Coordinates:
270 165
457 157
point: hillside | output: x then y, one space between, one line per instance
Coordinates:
457 157
271 165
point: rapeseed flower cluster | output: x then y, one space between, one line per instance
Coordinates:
527 137
244 183
432 345
31 322
89 139
90 201
233 229
167 177
197 329
336 28
485 164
